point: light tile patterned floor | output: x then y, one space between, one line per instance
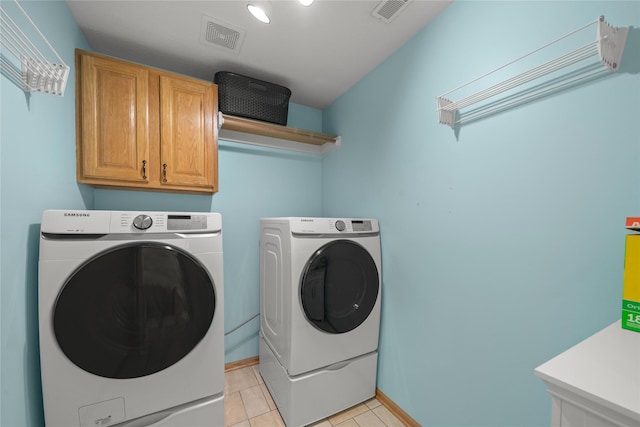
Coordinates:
247 403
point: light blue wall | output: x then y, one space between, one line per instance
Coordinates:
502 246
37 172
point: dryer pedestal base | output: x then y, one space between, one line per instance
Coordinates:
315 395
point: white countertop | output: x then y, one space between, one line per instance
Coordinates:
604 368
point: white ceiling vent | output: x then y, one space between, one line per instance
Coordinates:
221 34
387 10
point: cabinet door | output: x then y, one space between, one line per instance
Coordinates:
188 135
114 119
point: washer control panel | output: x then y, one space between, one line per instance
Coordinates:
119 222
160 222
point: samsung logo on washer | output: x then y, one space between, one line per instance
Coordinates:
77 214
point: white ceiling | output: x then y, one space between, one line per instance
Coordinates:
318 52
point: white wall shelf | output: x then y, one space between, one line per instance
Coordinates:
255 132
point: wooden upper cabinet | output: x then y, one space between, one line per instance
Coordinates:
187 131
143 128
115 134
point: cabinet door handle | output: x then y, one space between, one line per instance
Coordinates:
144 169
164 172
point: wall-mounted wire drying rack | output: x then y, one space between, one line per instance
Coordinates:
26 54
607 49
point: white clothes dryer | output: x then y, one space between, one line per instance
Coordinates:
131 318
320 299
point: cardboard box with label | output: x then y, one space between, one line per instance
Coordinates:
631 284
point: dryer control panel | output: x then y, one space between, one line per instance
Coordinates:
304 225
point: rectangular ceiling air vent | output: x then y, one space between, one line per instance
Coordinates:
387 10
221 34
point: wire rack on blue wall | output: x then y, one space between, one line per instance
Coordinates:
26 54
607 49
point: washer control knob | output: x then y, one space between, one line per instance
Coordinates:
142 222
340 225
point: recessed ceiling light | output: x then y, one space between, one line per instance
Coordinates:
306 2
259 13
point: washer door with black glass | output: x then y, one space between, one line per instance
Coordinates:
134 310
339 286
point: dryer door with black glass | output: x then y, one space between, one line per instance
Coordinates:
134 310
339 286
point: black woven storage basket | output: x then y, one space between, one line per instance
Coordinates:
244 96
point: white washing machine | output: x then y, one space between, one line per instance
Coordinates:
131 319
320 313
